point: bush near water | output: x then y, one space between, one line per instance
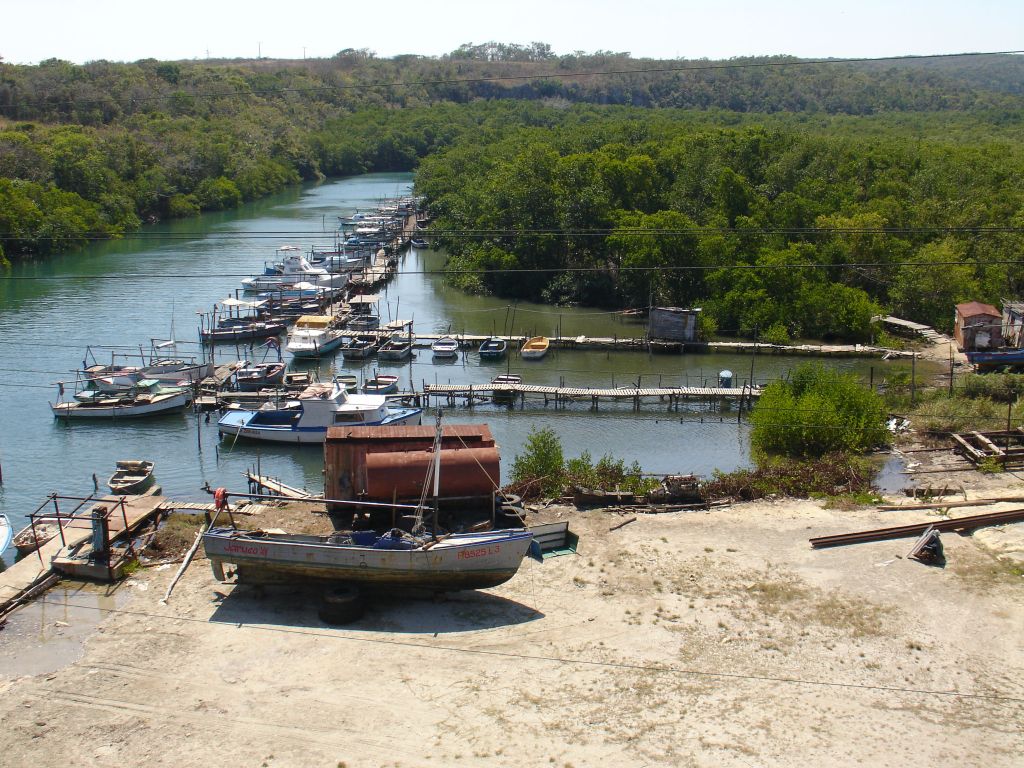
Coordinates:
818 411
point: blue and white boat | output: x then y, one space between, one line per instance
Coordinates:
6 533
306 418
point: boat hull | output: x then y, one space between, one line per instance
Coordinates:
310 351
996 359
461 561
165 404
236 423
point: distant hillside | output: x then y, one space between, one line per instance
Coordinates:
103 92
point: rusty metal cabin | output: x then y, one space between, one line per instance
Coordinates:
1013 323
673 324
386 464
977 326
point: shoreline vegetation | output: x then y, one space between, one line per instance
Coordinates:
788 201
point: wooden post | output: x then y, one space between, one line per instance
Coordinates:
913 377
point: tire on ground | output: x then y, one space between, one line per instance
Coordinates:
341 605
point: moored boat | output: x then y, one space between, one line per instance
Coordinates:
494 348
360 347
146 398
315 336
382 384
6 532
252 377
32 537
306 417
131 476
503 384
444 347
535 348
398 347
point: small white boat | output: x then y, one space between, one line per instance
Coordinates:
146 398
6 533
315 336
535 348
446 346
131 476
306 418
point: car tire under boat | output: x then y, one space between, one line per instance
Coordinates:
342 605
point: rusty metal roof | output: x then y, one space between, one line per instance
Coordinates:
972 308
390 434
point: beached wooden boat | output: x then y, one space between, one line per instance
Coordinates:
535 348
395 559
494 348
131 476
459 561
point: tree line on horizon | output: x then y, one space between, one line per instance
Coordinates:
736 163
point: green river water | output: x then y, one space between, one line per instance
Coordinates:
129 292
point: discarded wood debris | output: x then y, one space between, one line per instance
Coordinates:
622 524
916 529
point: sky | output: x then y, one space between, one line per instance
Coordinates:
127 30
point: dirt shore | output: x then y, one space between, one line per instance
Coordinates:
690 639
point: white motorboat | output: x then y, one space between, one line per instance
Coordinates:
145 398
293 268
315 335
306 418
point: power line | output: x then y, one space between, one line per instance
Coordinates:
342 87
149 276
492 653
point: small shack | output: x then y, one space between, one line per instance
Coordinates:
673 324
977 326
388 464
1013 323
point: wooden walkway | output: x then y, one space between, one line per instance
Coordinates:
33 569
562 395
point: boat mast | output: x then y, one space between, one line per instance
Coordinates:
437 471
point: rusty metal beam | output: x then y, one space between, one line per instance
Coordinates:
916 529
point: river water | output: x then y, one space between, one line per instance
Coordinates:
132 291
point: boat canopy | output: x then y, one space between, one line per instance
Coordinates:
315 321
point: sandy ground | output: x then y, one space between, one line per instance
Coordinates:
687 639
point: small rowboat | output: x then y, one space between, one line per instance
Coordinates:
347 380
131 477
446 346
27 542
535 348
505 395
6 532
493 348
383 384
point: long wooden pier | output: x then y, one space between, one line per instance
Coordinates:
561 396
641 343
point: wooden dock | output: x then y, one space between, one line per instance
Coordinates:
643 344
68 555
561 396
